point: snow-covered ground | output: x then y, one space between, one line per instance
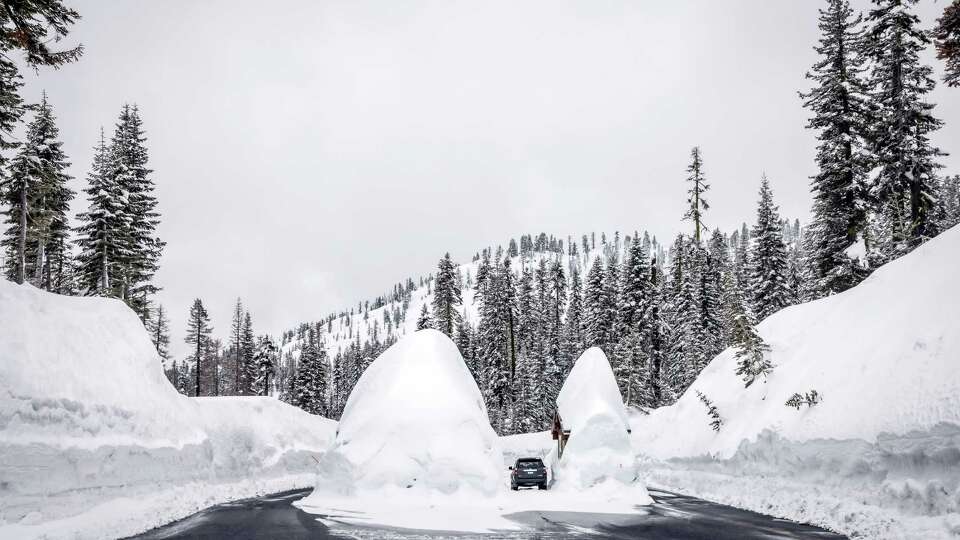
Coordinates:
879 455
415 448
95 443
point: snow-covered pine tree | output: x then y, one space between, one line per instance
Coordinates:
635 290
593 305
752 352
212 380
716 422
655 334
950 201
29 27
159 327
265 360
128 167
904 156
248 367
37 200
102 228
573 335
236 346
465 343
741 259
840 104
424 321
309 390
768 259
198 334
708 271
696 203
685 347
631 370
554 365
947 36
446 297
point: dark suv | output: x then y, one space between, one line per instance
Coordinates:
528 472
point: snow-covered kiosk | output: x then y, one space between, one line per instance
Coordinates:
415 419
590 426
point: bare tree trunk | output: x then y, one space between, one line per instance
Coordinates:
22 248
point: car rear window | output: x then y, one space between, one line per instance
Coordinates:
529 463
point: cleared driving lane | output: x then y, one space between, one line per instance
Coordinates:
671 517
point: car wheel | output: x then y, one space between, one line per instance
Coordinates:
542 486
513 487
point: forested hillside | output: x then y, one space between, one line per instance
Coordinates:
522 313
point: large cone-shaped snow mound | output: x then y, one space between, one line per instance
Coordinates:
415 419
884 356
87 416
592 409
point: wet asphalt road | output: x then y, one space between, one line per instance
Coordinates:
671 517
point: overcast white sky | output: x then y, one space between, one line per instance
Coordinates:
310 154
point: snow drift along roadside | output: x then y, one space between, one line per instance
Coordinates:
88 420
884 441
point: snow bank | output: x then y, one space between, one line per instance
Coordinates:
884 357
89 421
416 419
591 407
415 450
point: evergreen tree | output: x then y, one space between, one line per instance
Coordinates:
248 367
841 116
947 35
574 343
636 287
752 352
654 338
599 309
905 157
128 168
698 186
159 328
446 297
37 200
198 335
686 351
236 344
28 26
950 201
555 366
708 265
424 321
264 359
102 229
768 269
309 390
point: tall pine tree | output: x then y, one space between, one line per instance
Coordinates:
904 155
769 287
840 105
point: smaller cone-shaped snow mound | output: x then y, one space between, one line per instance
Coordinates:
590 407
415 419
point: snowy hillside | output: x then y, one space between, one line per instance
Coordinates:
878 454
89 425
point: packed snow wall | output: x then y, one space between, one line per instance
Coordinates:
592 409
87 417
878 453
415 419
